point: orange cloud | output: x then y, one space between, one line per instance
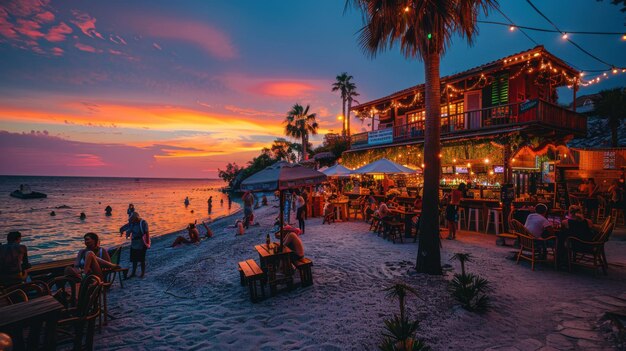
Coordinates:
287 89
86 160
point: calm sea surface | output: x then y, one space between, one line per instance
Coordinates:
159 201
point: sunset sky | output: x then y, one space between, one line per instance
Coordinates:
179 88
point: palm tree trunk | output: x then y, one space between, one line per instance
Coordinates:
428 254
348 117
343 121
304 142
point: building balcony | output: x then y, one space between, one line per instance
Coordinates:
537 116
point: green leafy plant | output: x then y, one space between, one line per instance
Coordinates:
470 291
400 333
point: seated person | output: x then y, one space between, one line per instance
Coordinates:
240 227
91 259
383 210
209 232
194 236
13 260
537 223
293 242
576 225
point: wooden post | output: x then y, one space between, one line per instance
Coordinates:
282 216
575 90
508 179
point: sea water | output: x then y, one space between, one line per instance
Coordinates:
159 201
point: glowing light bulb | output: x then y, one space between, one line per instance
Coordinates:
407 9
624 37
469 164
604 74
564 36
614 70
486 160
454 160
512 28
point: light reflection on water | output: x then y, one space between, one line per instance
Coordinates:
159 201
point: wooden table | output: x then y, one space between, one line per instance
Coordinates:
52 268
14 318
276 265
407 217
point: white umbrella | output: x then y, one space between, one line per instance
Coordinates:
337 171
383 166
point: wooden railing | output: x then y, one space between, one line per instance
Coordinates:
534 111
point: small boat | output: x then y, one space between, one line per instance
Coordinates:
32 195
24 192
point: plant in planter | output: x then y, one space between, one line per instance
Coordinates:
400 333
469 289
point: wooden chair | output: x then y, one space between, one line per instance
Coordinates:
65 290
534 249
15 296
81 319
329 215
590 253
111 273
33 289
355 207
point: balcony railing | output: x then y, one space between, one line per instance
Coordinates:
492 118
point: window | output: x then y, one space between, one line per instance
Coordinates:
500 90
416 116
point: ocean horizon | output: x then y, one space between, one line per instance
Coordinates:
160 201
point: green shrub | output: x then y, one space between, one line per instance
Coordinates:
470 291
400 334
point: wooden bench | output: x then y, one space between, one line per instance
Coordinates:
251 273
304 268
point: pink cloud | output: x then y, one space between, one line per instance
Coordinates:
286 89
25 8
6 28
86 23
57 51
210 39
86 48
85 160
115 52
58 32
117 39
157 46
28 28
45 17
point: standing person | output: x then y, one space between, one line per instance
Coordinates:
452 216
186 201
221 202
591 202
615 196
130 210
138 230
300 210
287 211
210 203
248 202
230 201
13 260
305 196
91 259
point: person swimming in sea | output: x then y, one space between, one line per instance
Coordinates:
83 216
108 210
53 214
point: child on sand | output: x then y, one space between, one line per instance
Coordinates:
239 226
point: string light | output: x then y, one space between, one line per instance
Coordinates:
512 28
564 36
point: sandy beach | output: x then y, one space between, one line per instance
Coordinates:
191 298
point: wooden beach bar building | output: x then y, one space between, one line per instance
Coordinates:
500 123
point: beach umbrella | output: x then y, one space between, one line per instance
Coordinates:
337 171
282 176
383 166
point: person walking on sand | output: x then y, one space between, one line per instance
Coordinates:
13 260
137 229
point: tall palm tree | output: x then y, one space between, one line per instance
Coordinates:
351 93
612 106
424 30
348 92
299 124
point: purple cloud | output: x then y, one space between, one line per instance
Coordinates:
86 23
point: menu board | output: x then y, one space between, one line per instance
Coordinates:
498 169
562 197
507 193
608 161
461 170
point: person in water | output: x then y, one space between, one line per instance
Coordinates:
130 210
108 210
210 203
83 216
52 213
91 259
221 202
186 201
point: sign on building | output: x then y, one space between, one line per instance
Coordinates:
377 137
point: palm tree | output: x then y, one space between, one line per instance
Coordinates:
299 124
400 290
423 29
462 258
348 93
612 105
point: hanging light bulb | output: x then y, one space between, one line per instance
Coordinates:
564 36
512 28
614 70
407 9
624 37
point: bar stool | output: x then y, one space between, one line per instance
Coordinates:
462 217
618 214
474 212
496 219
